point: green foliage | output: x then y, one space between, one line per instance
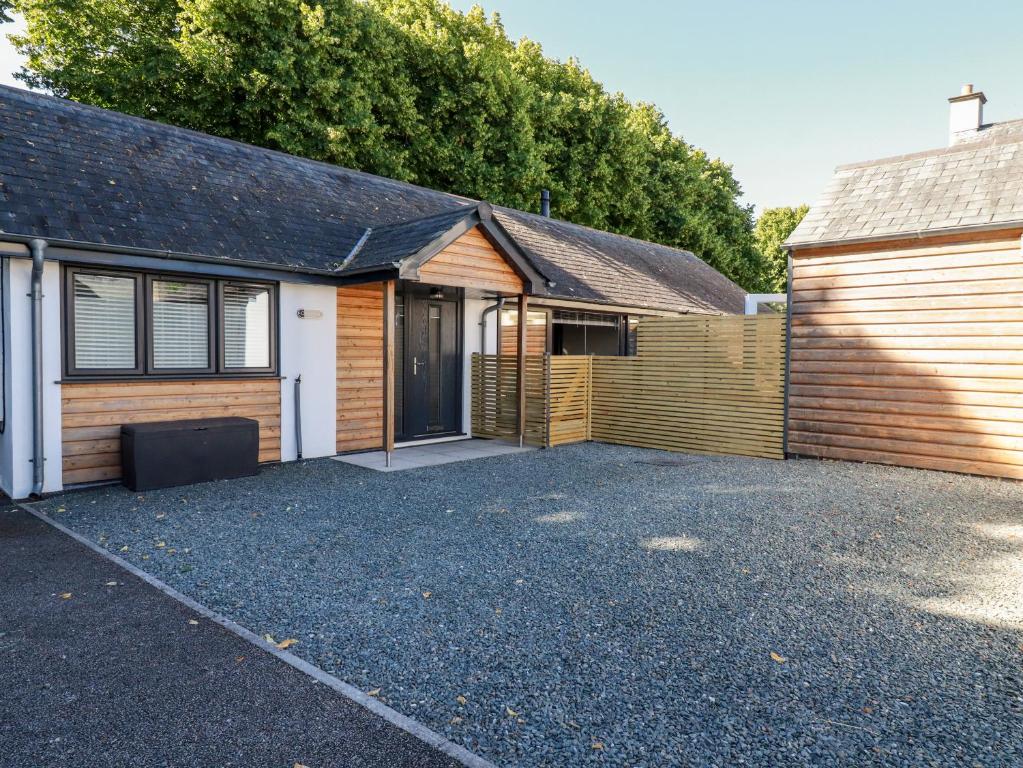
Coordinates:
409 89
772 229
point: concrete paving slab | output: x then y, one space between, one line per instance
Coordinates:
418 456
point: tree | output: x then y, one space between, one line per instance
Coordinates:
474 137
408 89
309 80
772 229
109 53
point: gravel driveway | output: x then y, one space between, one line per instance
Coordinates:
607 605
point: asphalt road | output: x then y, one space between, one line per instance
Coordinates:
98 668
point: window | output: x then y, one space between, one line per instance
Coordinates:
631 336
105 318
247 328
181 325
585 333
128 323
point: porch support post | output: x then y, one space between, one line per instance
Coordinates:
388 371
521 370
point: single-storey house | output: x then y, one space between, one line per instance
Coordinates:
153 273
907 306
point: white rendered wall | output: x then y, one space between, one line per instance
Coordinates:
308 347
16 442
6 438
471 343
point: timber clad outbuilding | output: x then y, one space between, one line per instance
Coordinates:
178 275
907 307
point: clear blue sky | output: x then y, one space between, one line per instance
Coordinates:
785 90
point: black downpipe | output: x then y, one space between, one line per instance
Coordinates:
38 250
483 325
298 416
4 266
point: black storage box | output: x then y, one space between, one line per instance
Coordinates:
162 454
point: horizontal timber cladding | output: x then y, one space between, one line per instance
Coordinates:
495 404
910 354
92 415
708 384
360 367
471 262
537 323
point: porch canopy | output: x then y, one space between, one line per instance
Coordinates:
467 249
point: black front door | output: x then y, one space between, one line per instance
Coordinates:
432 392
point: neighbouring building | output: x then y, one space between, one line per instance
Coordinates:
165 274
907 306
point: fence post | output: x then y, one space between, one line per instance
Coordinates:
589 398
547 399
521 371
788 359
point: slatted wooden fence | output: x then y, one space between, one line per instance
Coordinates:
494 406
698 384
703 384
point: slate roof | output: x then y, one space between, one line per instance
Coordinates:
75 173
585 266
388 245
977 182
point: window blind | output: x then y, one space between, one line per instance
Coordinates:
246 326
104 322
181 325
572 317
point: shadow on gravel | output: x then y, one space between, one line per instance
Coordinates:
601 603
982 583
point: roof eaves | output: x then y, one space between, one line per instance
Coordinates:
917 234
153 253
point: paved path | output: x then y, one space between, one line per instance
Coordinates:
94 674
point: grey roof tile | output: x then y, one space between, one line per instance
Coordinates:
71 172
977 181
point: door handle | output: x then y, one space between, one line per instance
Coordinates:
415 366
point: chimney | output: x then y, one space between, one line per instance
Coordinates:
545 203
966 114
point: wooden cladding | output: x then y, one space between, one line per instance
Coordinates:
360 367
698 384
471 262
910 355
92 415
703 384
537 325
